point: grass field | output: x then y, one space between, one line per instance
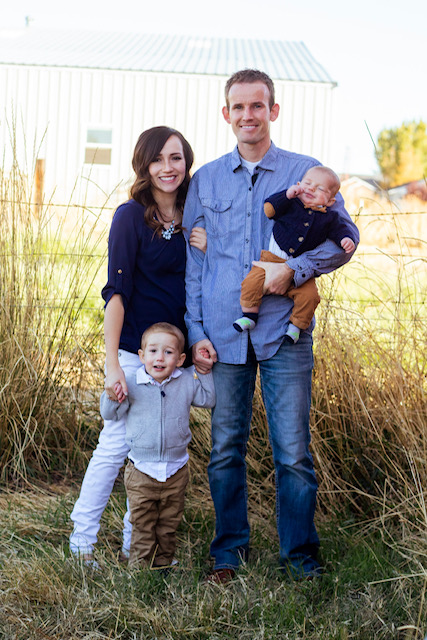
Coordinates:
369 590
369 442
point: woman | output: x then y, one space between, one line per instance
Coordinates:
146 268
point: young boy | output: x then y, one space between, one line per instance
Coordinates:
157 432
302 222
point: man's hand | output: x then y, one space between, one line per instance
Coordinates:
204 356
278 277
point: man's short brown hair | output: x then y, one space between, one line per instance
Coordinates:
164 327
250 76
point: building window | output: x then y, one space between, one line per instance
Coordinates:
98 146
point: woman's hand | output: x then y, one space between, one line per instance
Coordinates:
198 238
115 384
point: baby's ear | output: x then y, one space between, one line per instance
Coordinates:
141 355
331 202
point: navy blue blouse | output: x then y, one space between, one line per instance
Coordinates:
147 271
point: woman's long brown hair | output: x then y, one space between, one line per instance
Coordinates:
147 149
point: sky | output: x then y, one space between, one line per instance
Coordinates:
373 49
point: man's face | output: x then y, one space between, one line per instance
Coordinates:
249 113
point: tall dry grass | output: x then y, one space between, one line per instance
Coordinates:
369 387
49 336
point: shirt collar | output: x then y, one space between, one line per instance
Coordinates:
142 377
268 162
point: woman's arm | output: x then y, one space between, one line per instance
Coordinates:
113 325
198 238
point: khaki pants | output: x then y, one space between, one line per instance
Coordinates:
306 297
156 510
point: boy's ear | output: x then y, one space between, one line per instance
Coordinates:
141 355
181 360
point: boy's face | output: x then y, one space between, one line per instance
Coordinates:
161 355
318 189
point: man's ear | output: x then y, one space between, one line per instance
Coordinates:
274 112
226 114
181 360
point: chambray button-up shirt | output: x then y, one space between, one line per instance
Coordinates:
225 200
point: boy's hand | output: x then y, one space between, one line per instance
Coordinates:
204 356
115 378
118 390
348 245
293 191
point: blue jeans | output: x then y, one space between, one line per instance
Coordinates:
286 392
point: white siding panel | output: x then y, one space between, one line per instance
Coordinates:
54 107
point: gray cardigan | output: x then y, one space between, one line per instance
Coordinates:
157 422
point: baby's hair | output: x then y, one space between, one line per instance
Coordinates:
335 182
164 327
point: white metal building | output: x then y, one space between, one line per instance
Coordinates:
79 100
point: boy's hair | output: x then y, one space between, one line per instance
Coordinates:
164 327
249 76
335 182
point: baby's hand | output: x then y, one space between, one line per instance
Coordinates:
118 390
347 244
293 191
204 353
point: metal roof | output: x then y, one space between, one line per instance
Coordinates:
159 53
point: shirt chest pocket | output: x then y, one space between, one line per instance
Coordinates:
217 216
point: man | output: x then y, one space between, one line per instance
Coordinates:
226 196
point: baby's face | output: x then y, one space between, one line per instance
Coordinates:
318 189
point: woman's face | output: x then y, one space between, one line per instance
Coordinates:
167 171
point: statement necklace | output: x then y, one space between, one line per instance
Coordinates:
167 233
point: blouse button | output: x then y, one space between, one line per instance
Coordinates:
306 224
119 271
300 239
291 250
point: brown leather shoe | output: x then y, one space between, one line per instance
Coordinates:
220 576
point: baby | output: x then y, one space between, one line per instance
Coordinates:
302 222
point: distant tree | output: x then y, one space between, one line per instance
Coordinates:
402 153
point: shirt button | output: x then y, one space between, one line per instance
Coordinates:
246 266
300 239
291 250
247 240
